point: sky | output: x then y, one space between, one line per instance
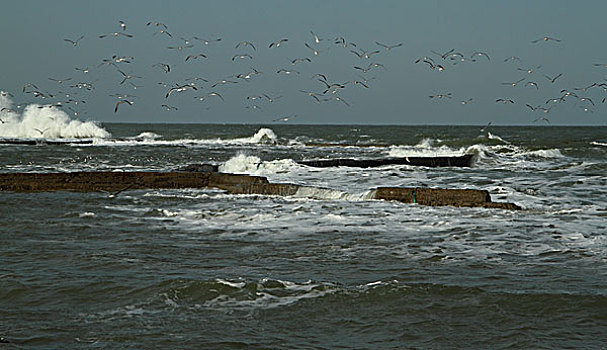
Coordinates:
464 90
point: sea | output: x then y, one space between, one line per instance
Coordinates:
328 269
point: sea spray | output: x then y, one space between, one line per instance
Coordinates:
38 121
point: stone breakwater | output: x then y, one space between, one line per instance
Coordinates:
207 176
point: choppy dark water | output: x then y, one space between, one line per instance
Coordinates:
203 269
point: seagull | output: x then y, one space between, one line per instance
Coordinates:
542 118
157 24
271 99
241 56
123 26
485 127
207 41
443 55
343 42
338 99
447 95
531 107
587 87
583 99
432 66
29 85
312 94
287 72
465 102
60 81
514 83
317 40
216 94
41 131
83 70
552 80
425 59
196 79
180 88
316 52
278 43
284 119
254 107
121 101
74 42
6 93
195 56
164 67
163 31
546 38
504 101
600 65
531 83
223 82
357 82
297 60
512 58
169 108
246 43
528 70
480 53
389 47
127 76
321 76
179 48
115 34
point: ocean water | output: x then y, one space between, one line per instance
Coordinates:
202 269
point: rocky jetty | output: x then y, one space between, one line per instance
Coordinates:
201 176
446 161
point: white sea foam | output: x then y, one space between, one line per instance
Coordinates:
546 153
423 150
328 194
45 122
598 143
245 164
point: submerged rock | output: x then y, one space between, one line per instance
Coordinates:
204 175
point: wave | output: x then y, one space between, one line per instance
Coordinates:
598 143
44 122
245 164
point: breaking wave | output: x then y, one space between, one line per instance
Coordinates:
44 122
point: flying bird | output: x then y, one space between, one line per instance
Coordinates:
546 38
552 80
123 26
316 52
278 43
180 88
121 102
115 34
246 43
514 83
164 67
74 42
480 53
195 56
389 47
169 108
504 101
241 56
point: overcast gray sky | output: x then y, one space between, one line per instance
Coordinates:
34 50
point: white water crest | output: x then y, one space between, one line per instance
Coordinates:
425 148
246 164
42 121
263 135
328 194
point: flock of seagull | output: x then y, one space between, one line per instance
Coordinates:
326 90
